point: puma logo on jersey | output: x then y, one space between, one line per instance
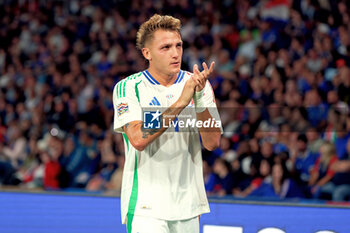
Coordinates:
154 102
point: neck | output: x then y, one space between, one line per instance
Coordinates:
162 78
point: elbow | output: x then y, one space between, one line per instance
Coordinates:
139 145
212 144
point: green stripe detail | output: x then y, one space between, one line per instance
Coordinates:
124 88
137 91
133 199
118 90
127 141
121 86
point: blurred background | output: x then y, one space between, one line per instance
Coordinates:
282 83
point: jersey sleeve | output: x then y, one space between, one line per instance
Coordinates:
126 104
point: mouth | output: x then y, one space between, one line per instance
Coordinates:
175 63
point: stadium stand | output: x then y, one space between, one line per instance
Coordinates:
282 82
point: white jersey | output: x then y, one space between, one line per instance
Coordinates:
165 180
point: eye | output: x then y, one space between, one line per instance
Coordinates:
166 47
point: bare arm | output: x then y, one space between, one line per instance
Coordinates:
210 136
313 178
324 180
341 166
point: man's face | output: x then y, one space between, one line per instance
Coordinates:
164 52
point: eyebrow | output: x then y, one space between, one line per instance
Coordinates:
169 44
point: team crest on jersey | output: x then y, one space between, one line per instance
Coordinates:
122 108
169 96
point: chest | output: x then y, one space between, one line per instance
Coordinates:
157 95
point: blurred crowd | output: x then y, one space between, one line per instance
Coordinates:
282 83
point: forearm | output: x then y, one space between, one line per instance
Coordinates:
313 178
211 135
141 137
343 166
347 166
324 180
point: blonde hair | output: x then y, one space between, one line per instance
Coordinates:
156 22
328 151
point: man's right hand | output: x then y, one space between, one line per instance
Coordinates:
195 83
188 91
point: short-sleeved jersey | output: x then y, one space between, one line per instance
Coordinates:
165 180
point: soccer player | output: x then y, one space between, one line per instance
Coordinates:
162 187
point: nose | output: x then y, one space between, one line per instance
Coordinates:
175 52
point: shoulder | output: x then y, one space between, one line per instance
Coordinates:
130 79
333 159
128 82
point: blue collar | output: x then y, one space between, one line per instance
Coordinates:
153 81
180 77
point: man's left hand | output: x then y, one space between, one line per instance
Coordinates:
202 76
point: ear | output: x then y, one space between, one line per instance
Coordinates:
147 54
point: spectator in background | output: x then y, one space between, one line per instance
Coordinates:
301 161
224 180
333 120
51 169
317 111
15 150
257 186
225 150
65 176
225 64
298 120
80 162
209 178
58 64
314 141
322 172
101 178
283 185
339 188
8 174
342 136
115 183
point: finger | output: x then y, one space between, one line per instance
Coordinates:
195 69
211 67
206 70
199 82
205 67
196 79
197 73
202 76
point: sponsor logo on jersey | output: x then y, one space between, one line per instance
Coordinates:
122 108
